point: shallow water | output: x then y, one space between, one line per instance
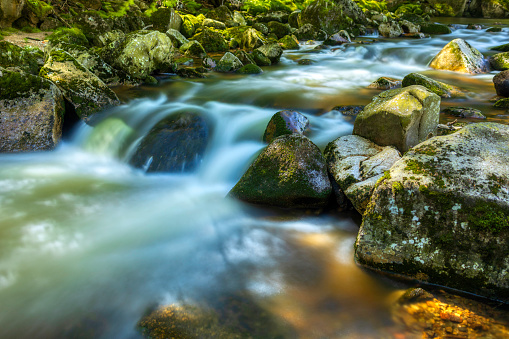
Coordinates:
88 244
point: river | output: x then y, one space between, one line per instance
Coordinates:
87 239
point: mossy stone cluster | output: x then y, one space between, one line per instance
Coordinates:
333 16
441 215
290 172
14 56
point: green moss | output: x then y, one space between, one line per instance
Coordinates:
250 69
16 85
397 187
488 216
40 8
68 35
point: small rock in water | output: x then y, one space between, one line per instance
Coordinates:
474 26
385 83
494 30
348 110
464 112
305 62
501 82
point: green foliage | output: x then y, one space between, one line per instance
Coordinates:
39 8
409 9
444 10
261 6
372 5
68 35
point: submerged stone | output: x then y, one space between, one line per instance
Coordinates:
464 112
385 83
290 172
440 88
175 144
441 213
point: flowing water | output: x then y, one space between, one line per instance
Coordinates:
88 244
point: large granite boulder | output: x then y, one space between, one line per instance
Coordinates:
285 122
141 53
356 164
175 144
459 56
85 91
31 112
441 214
400 117
332 16
440 88
10 11
290 172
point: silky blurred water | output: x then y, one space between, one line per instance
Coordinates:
85 236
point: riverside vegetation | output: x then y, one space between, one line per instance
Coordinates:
434 198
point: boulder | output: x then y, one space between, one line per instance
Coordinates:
68 35
293 19
385 83
239 18
221 13
228 63
175 144
501 82
500 61
251 39
214 24
409 27
35 11
261 28
15 57
336 39
459 56
441 214
260 59
309 32
272 51
290 172
494 30
93 62
250 69
289 42
50 24
433 28
390 29
112 39
440 88
141 53
193 49
244 57
85 91
285 122
494 9
211 40
164 19
332 16
356 164
10 11
190 24
501 48
176 37
279 29
400 117
31 112
502 103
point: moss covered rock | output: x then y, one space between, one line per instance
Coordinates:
228 63
290 172
272 51
501 48
221 13
400 117
390 29
12 56
250 69
440 88
31 112
211 40
35 11
433 28
251 39
495 9
310 32
244 57
85 91
176 37
289 42
69 36
285 122
332 16
464 112
193 49
141 53
166 18
175 144
441 214
356 164
459 56
500 61
190 24
279 29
